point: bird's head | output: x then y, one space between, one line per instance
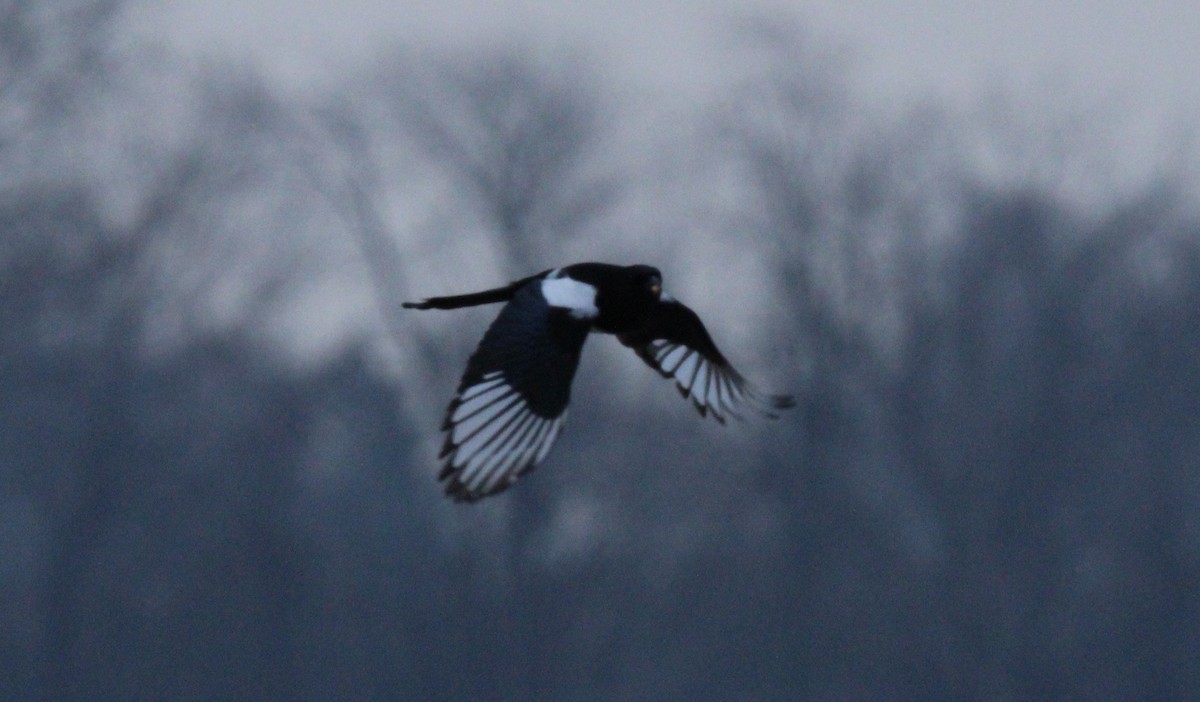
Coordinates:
648 279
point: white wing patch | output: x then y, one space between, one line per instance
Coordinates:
713 389
568 293
492 437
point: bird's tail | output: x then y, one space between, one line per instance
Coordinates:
483 297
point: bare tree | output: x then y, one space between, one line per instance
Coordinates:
520 138
203 234
51 55
789 134
522 144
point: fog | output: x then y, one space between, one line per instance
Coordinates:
218 429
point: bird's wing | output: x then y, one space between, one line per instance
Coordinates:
674 342
513 397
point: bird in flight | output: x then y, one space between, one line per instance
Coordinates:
512 400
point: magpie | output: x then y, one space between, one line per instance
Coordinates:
512 400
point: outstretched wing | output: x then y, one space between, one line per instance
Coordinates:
512 401
674 342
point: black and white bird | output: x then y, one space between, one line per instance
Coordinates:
512 401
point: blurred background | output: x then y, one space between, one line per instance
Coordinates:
966 238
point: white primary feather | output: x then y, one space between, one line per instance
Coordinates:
496 436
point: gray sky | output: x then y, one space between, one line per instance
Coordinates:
1147 52
1139 60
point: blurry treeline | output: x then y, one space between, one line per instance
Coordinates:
216 432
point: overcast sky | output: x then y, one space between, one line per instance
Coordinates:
1147 51
1137 58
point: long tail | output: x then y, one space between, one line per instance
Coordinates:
484 297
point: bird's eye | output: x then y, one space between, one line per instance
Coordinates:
656 288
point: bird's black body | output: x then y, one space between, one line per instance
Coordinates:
624 294
514 394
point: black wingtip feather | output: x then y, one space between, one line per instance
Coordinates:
782 401
446 423
458 491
